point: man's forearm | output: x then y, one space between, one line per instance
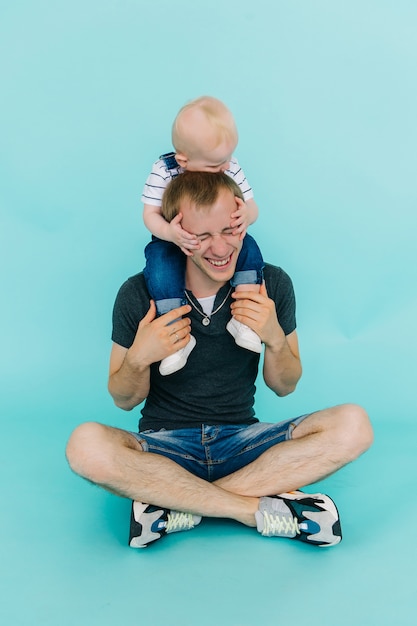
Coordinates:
129 386
282 370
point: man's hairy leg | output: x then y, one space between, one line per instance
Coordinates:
320 445
113 459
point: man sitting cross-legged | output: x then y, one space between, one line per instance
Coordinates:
200 450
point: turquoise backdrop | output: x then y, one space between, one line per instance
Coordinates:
325 97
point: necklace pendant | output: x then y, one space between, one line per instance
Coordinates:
207 318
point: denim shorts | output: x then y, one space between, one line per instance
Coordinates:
212 452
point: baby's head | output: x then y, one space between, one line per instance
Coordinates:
204 135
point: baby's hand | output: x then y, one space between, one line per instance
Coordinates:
182 238
240 219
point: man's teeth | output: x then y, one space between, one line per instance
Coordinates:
220 263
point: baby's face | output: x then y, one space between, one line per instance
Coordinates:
217 160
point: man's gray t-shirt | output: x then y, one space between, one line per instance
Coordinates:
217 384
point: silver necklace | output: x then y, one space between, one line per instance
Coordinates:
207 318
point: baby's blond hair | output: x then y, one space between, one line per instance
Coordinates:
202 124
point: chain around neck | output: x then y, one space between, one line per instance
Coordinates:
207 318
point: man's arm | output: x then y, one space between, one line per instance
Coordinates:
128 382
156 338
282 365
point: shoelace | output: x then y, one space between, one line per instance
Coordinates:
280 525
179 521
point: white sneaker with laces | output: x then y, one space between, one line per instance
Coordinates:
244 336
176 361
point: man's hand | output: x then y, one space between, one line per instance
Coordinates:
158 337
182 238
257 311
282 366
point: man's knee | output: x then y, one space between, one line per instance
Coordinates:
93 449
355 429
347 426
82 439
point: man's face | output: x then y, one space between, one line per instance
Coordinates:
214 263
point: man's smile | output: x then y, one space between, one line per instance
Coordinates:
219 262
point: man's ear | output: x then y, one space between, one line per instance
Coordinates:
181 159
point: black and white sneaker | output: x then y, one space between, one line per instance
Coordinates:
311 518
149 523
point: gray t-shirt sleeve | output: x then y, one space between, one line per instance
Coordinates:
131 305
280 289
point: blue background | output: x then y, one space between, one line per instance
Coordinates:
325 98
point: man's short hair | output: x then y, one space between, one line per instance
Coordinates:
202 188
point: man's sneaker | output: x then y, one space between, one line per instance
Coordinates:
244 336
148 523
312 518
176 361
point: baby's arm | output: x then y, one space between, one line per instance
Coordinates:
169 231
246 214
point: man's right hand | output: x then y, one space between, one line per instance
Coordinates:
158 337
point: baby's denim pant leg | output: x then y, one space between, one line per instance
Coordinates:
250 264
165 274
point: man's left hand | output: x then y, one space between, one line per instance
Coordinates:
257 311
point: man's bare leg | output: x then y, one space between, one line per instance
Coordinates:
321 444
114 460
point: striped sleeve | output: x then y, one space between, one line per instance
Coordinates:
238 175
156 184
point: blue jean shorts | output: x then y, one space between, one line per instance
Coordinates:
212 452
